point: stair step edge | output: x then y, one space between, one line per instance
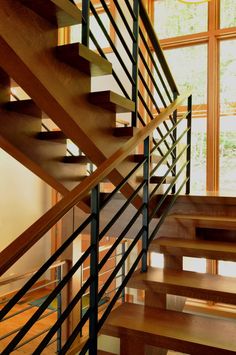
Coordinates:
111 101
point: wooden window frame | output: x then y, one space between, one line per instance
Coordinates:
212 38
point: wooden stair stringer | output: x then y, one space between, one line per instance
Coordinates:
45 159
27 55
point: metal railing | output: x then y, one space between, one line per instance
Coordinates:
164 135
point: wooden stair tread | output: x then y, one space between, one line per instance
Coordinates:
172 330
58 12
84 59
26 107
111 101
195 248
185 283
205 217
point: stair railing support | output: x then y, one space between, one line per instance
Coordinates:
145 236
85 22
189 125
94 259
175 94
59 308
135 65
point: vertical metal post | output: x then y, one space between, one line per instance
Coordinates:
59 311
93 321
188 154
145 236
123 270
175 94
135 65
85 22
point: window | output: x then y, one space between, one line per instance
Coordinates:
173 18
227 13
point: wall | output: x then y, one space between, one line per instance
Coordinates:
24 198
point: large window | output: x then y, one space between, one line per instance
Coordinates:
173 18
200 49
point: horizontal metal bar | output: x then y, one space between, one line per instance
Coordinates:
121 287
166 193
121 184
119 265
167 134
130 10
19 328
116 28
48 300
116 77
119 239
121 13
120 212
168 171
157 48
111 44
160 221
152 78
65 314
154 64
169 152
44 268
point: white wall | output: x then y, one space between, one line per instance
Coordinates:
23 199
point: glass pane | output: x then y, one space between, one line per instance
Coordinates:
189 68
173 18
227 268
194 264
227 116
227 13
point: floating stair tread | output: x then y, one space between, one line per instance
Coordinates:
111 101
125 131
173 330
186 283
51 135
83 58
25 107
195 248
58 12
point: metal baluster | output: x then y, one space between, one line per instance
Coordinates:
93 324
189 125
59 308
123 271
85 22
145 236
135 65
175 149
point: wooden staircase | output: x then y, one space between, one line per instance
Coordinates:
152 324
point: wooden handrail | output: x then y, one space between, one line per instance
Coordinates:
38 229
18 277
157 47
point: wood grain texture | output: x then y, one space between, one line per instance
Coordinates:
81 57
195 248
58 12
172 330
186 283
111 101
